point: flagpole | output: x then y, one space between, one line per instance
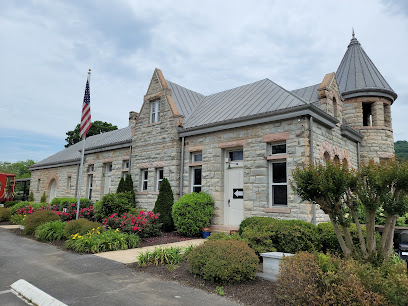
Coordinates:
82 161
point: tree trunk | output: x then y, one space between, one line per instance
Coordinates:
370 232
339 235
387 240
360 234
347 236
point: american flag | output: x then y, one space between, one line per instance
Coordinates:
86 111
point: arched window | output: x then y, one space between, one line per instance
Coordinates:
345 162
326 157
336 159
53 189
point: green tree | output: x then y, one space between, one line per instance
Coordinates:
164 206
401 149
121 186
129 187
43 198
20 168
98 127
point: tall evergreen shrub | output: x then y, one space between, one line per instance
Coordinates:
128 187
164 206
121 186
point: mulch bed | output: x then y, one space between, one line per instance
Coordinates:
255 292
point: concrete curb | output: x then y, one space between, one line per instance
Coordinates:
35 295
11 226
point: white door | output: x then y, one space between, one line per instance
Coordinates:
53 190
234 188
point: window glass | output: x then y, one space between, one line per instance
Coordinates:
155 111
197 157
197 178
236 155
280 196
145 174
160 175
279 172
279 149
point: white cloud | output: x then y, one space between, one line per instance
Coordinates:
48 46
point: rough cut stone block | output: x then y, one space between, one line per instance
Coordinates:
271 262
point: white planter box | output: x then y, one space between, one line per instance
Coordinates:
271 262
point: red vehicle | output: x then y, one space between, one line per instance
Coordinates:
7 184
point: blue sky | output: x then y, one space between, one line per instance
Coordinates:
48 46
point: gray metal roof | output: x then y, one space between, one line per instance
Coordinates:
72 153
186 100
358 76
252 99
308 93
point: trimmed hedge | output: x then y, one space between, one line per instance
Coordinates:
67 202
224 261
81 227
288 236
112 203
5 214
37 218
192 212
255 221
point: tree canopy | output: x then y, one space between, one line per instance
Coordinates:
401 149
20 168
98 127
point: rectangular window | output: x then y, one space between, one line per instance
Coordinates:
279 183
367 114
107 176
38 184
90 186
197 157
155 111
68 183
145 174
91 168
125 164
236 155
159 177
196 179
278 148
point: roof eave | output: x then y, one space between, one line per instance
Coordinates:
364 92
288 113
350 133
54 165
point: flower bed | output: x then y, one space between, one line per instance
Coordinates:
65 214
146 224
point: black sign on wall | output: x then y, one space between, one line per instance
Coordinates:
237 193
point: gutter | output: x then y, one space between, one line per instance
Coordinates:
181 167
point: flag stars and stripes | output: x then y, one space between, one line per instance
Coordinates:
86 112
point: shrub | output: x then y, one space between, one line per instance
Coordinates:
192 212
37 218
5 214
10 203
43 198
81 227
129 188
121 186
111 203
225 261
145 224
308 279
161 256
254 221
31 197
17 219
223 236
96 241
288 236
19 205
67 203
330 242
164 205
51 231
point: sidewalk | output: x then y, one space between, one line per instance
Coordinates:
130 256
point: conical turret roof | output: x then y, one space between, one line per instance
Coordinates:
357 75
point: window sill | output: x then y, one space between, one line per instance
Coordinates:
152 124
195 164
142 192
156 192
125 170
277 156
280 210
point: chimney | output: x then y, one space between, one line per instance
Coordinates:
132 117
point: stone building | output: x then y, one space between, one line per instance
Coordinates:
239 145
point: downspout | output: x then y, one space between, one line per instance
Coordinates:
130 158
312 161
358 155
181 167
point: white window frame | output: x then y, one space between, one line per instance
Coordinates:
91 168
271 145
144 179
125 168
107 175
38 184
271 183
193 177
196 157
158 179
155 111
90 186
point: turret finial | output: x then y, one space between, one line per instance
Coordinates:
353 32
